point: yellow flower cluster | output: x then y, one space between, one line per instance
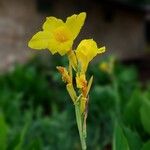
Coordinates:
58 36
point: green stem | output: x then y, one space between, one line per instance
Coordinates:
80 126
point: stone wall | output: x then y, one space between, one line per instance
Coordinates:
16 26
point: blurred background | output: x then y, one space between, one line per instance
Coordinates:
35 110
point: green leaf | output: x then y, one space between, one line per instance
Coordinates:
22 137
145 115
3 133
133 138
146 146
35 144
132 110
89 85
119 140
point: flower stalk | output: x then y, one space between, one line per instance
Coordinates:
81 127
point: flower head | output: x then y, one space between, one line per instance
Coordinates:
81 81
86 51
58 36
65 75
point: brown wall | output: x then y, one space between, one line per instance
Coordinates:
19 19
16 26
123 36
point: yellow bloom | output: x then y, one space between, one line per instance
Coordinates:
81 81
86 51
58 36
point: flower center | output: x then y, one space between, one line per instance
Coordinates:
62 34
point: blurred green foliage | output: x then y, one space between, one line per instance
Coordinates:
36 112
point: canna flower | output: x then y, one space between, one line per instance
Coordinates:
81 81
83 84
58 36
86 51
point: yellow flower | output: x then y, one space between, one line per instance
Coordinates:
58 36
86 51
81 81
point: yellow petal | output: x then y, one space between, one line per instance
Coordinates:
101 50
52 23
53 46
61 48
87 49
81 81
62 34
40 40
75 23
61 40
65 47
72 59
